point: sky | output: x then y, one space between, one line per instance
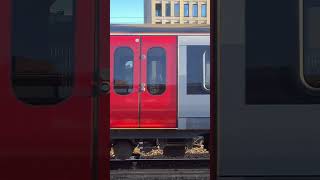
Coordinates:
126 12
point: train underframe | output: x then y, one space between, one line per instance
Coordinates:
172 142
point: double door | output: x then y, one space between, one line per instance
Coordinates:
143 82
49 116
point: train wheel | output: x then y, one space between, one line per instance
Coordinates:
174 150
123 149
206 142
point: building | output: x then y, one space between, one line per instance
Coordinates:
177 11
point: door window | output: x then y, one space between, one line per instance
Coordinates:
272 54
123 70
156 71
42 50
311 42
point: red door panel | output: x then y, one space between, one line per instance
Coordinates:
46 138
158 76
124 81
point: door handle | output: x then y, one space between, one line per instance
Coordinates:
142 87
105 87
104 84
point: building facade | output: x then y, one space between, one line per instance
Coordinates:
177 11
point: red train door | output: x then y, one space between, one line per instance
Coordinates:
124 74
46 103
143 81
158 82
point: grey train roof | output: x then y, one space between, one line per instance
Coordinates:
159 28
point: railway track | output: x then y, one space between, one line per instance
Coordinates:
159 164
160 174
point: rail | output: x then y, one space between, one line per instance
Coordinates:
159 164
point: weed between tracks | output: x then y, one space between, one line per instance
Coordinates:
194 153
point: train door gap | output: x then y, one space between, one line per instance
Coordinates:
96 93
139 91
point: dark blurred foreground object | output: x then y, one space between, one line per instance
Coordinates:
268 98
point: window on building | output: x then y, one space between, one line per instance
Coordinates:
203 10
186 10
195 10
43 51
177 9
123 70
158 9
156 71
168 9
198 69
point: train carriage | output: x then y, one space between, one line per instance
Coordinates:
160 86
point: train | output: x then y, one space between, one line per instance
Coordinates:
159 87
55 89
54 94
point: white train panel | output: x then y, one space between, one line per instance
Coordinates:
194 82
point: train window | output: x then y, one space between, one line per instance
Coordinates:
42 50
206 68
156 71
311 42
198 69
123 70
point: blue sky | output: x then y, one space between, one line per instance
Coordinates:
126 12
